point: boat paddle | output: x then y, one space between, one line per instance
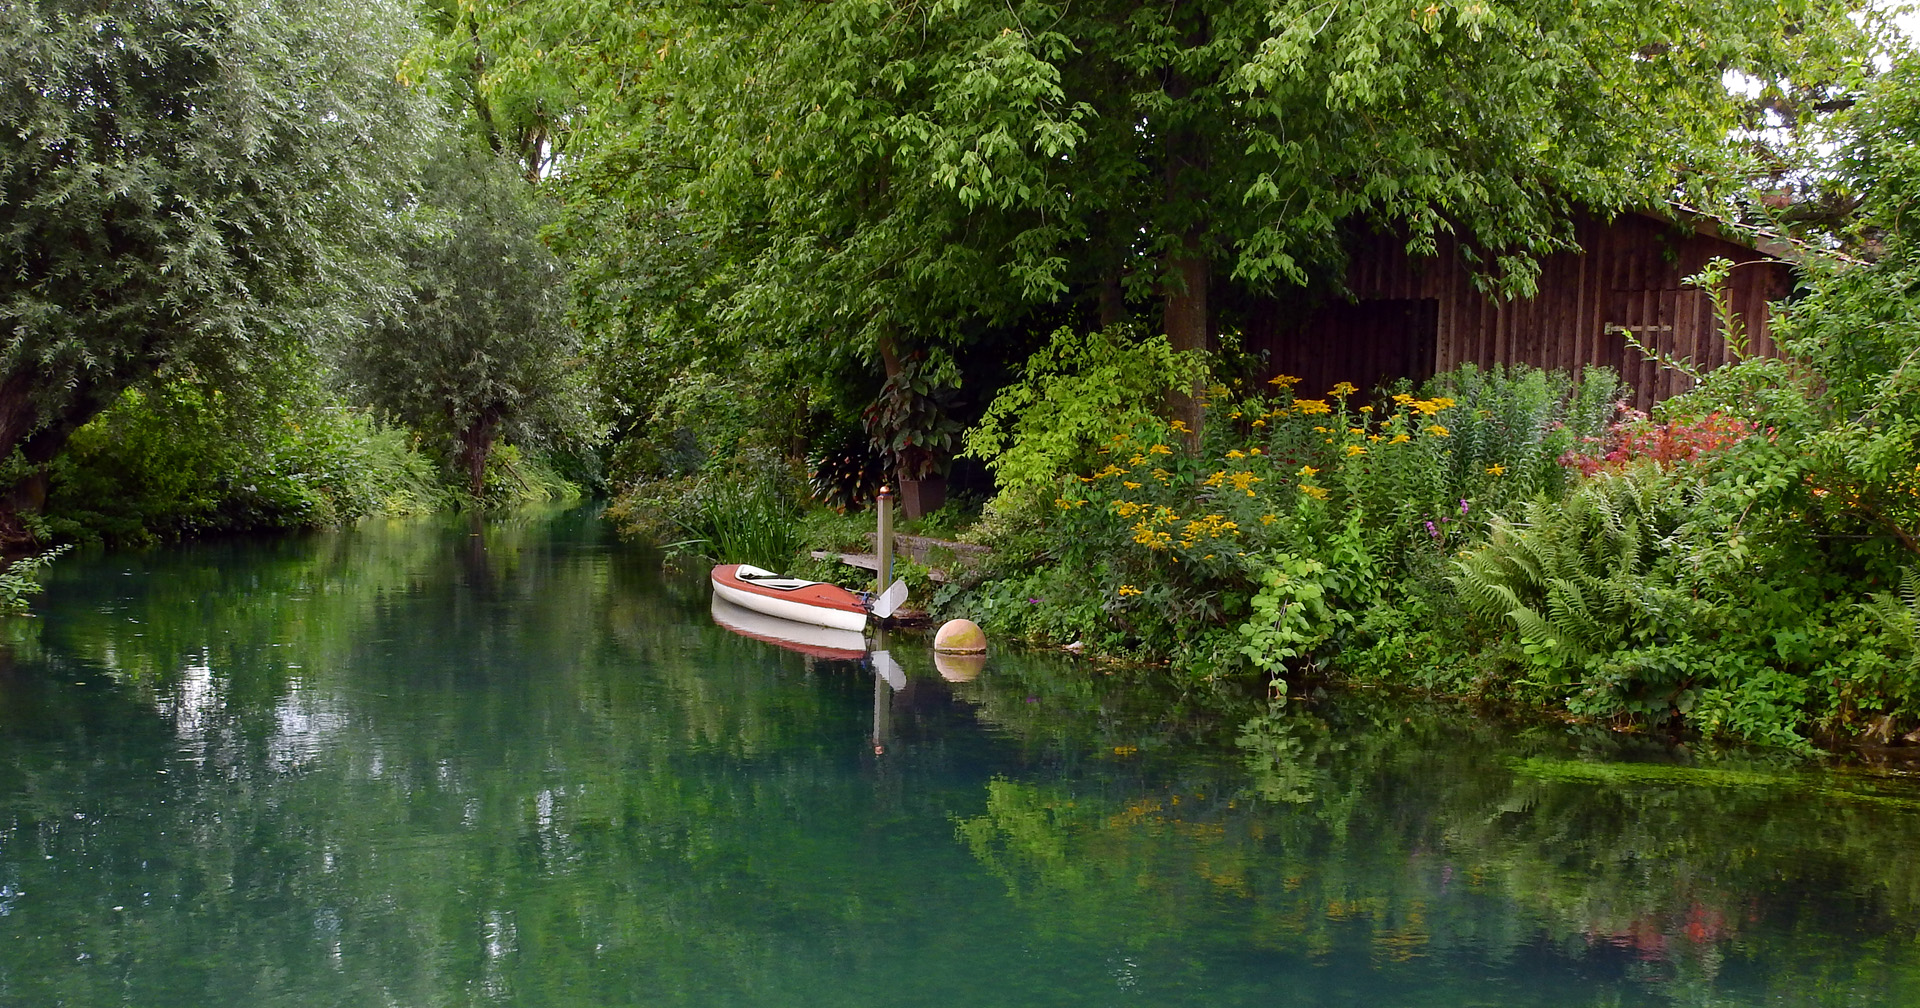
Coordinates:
888 602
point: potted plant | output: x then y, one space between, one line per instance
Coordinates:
911 427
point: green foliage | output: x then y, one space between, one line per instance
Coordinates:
478 349
703 417
1289 616
1073 397
20 579
1301 530
911 423
193 189
1613 566
742 522
517 478
744 512
845 473
187 460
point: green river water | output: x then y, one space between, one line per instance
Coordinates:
431 763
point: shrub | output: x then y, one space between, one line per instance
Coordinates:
725 516
20 579
1280 538
186 459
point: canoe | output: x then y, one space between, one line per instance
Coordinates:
806 638
815 602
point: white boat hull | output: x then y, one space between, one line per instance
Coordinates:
790 609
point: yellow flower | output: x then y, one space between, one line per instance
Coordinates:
1403 399
1259 423
1110 470
1159 449
1236 454
1318 493
1162 475
1400 438
1129 484
1354 449
1268 519
1322 430
1343 389
1496 470
1309 471
1211 526
1283 380
1235 415
1137 459
1366 409
1180 426
1123 591
1126 508
1256 451
1356 430
1146 535
1243 480
1216 479
1310 407
1376 437
1438 431
1443 402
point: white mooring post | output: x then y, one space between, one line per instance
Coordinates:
883 503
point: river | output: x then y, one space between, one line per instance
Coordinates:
516 763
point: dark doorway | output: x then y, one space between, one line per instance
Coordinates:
1367 343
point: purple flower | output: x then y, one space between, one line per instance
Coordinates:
1463 507
1033 601
1432 531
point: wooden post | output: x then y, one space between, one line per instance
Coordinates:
884 505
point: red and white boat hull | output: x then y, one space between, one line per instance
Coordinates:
813 602
810 639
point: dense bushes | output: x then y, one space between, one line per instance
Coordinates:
188 460
1300 529
1734 564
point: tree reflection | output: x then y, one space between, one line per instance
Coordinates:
377 767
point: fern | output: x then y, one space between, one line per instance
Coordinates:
1898 612
1587 576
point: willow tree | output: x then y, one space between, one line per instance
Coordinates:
192 187
478 348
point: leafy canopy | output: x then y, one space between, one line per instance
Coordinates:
192 186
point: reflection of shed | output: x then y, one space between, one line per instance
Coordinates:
1412 317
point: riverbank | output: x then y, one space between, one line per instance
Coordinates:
1739 566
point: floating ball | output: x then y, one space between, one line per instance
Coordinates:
960 637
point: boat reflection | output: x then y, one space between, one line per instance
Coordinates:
803 638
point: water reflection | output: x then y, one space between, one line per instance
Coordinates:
431 765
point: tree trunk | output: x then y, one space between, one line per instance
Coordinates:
22 429
1113 299
1185 314
476 443
1186 321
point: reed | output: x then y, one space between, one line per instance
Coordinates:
742 523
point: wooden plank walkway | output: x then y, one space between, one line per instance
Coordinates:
919 549
871 561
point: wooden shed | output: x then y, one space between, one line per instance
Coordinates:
1411 317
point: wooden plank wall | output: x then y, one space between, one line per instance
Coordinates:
1629 276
